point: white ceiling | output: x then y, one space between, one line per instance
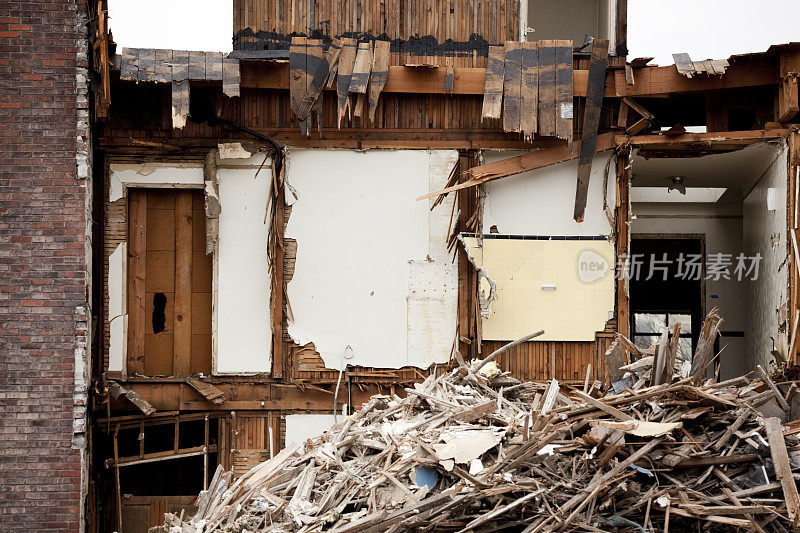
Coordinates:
741 168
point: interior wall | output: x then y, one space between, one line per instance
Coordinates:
243 324
373 283
721 225
541 202
307 426
765 234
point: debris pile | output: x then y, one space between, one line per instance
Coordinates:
480 451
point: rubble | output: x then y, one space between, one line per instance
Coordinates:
466 452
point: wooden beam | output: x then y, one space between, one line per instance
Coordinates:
719 138
591 121
471 80
523 163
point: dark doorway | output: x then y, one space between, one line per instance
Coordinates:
666 286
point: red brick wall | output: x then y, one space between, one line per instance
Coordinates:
43 263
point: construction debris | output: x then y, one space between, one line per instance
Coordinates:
470 450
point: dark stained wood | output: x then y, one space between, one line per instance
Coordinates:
564 100
591 121
379 75
547 88
512 86
493 86
319 69
297 77
347 58
529 92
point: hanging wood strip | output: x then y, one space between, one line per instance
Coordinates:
314 57
346 59
511 86
180 103
547 88
591 121
493 87
529 91
319 69
380 72
360 77
297 77
564 103
182 310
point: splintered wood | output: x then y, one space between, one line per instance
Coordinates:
477 450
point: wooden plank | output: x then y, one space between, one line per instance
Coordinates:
547 88
298 51
360 78
591 121
230 77
347 57
788 105
493 84
313 58
197 64
783 468
319 68
512 86
361 69
182 337
636 106
684 64
564 100
380 72
529 91
137 268
209 391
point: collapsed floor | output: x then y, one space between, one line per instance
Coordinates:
478 450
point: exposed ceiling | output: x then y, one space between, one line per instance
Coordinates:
741 168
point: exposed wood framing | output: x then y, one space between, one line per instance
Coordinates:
623 239
493 85
182 317
469 342
137 266
380 72
116 390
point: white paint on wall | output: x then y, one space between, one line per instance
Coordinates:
542 201
153 175
117 263
302 427
372 270
243 332
765 234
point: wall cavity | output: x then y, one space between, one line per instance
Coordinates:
373 283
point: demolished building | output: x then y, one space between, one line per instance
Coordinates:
359 191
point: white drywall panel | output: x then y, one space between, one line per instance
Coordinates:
765 234
243 333
372 270
154 175
542 201
302 427
116 307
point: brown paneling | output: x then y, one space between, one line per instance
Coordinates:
174 226
564 361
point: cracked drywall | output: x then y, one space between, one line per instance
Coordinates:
372 270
